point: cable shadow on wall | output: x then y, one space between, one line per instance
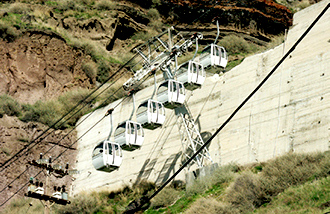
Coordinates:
167 168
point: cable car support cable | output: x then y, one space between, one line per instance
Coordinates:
137 205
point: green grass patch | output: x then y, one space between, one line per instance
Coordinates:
180 205
8 27
44 112
233 63
51 3
310 197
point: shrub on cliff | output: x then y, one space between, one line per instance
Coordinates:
237 45
89 69
7 32
210 205
105 5
250 191
44 112
165 198
19 8
9 106
223 174
48 112
294 169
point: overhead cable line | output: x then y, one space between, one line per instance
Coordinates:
54 159
70 146
145 200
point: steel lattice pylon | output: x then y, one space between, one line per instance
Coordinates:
191 139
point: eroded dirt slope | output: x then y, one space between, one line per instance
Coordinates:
40 65
16 138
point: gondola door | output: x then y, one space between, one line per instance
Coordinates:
107 153
219 56
196 73
153 111
117 154
157 112
139 134
223 57
215 55
130 134
133 131
176 92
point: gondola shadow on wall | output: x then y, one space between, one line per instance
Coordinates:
145 170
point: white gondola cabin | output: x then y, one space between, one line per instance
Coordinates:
150 114
213 55
191 74
171 93
107 156
129 135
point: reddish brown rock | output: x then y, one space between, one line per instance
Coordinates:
40 65
264 15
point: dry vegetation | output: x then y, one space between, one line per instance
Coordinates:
48 112
270 184
296 5
293 183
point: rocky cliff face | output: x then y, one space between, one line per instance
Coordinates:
266 16
40 65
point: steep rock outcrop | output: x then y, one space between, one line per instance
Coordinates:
119 24
40 65
265 15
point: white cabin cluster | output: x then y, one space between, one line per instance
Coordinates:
150 114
